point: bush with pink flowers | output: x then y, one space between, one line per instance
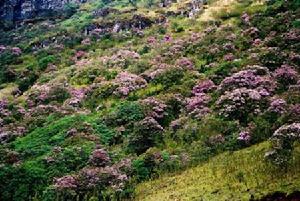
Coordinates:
254 77
197 106
240 103
122 59
286 76
154 108
127 83
99 158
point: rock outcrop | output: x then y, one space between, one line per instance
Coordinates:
18 10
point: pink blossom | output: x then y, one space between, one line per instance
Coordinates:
99 158
245 18
66 182
86 41
155 108
185 63
229 57
127 83
203 86
244 136
16 51
286 75
278 106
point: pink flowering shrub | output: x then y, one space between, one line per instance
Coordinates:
245 18
68 182
292 36
2 49
99 158
294 112
101 179
16 51
244 136
127 83
282 143
122 59
197 105
278 106
178 124
154 108
240 103
44 94
252 32
157 70
255 77
204 86
286 76
185 63
89 179
4 111
229 57
77 97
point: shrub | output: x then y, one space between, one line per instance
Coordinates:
282 143
86 76
197 105
255 77
241 103
154 108
278 106
147 133
127 83
203 86
44 94
286 76
169 77
45 61
126 112
99 158
123 59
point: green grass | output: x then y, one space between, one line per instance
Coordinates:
232 176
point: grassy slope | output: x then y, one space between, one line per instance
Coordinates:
230 176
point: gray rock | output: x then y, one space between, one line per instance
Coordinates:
18 10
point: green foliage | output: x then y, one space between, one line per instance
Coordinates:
70 9
42 140
86 76
177 28
126 113
169 78
45 61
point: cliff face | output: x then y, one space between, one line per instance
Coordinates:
15 10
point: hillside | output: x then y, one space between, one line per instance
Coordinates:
241 175
149 100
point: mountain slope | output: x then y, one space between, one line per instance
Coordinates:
240 175
96 102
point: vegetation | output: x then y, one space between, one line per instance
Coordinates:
152 100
